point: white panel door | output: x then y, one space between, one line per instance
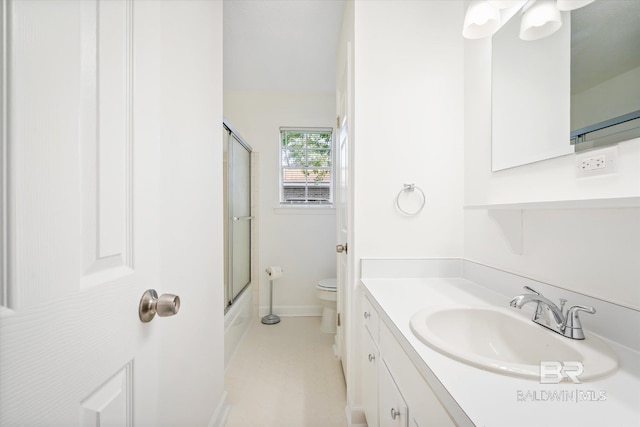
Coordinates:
87 218
344 205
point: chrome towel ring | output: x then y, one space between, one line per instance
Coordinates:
410 188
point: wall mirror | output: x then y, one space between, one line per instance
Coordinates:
576 89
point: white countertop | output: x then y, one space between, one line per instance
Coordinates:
491 399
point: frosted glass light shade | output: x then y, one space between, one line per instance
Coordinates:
566 5
540 20
481 20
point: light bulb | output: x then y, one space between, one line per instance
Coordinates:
481 20
540 20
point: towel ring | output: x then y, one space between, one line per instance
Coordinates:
409 188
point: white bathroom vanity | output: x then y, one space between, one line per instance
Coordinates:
408 383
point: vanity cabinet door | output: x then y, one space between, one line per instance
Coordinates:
393 408
426 409
370 361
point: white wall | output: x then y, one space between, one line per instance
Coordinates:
591 251
408 127
594 252
301 241
189 139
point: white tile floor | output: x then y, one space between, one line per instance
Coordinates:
285 375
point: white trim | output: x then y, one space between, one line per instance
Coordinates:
305 129
602 203
305 210
331 169
4 259
355 416
221 414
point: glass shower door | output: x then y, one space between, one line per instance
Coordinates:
239 202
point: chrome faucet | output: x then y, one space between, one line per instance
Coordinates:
564 323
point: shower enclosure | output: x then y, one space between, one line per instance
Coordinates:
237 205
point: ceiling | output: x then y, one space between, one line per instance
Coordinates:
281 45
290 45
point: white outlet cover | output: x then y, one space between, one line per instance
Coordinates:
610 155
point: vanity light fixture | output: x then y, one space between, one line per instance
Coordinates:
540 18
481 20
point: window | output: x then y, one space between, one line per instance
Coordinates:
306 166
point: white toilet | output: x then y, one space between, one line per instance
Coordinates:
326 292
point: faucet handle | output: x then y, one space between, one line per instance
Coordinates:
572 324
575 308
527 288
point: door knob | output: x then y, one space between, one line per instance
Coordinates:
150 305
341 248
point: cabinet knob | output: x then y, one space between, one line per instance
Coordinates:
367 315
371 358
394 413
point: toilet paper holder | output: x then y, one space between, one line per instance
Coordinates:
274 272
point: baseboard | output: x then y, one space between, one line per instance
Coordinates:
292 310
221 414
336 346
355 416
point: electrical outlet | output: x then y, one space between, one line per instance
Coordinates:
591 163
597 162
585 165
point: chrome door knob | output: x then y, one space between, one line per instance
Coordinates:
163 306
341 248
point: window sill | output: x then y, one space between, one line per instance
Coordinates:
305 210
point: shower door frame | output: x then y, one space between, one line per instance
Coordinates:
230 298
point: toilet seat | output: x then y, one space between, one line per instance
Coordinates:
328 285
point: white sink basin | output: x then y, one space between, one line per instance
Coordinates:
499 340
